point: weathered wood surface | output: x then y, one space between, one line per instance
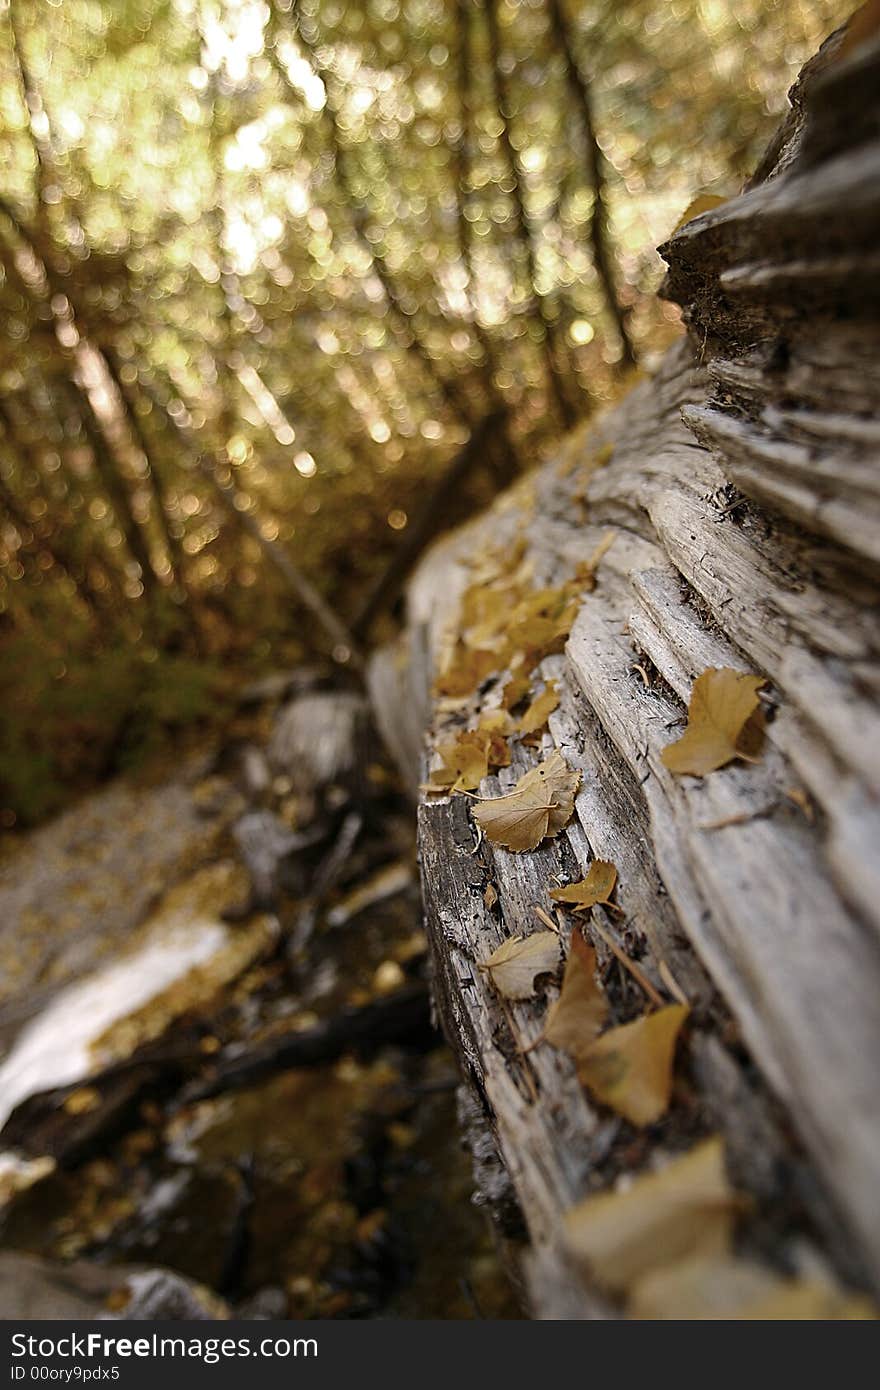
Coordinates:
744 493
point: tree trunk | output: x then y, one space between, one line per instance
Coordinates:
741 485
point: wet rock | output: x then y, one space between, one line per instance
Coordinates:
267 1304
40 1290
320 743
264 843
161 1294
37 1289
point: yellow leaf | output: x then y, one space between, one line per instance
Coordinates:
514 967
494 725
805 1300
516 690
466 758
581 1009
540 710
540 623
687 1209
630 1068
701 1288
540 805
704 202
597 887
497 721
465 671
464 762
722 704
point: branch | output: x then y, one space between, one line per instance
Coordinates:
344 647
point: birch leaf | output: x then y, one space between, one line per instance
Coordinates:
732 1288
466 758
697 1289
540 804
497 721
581 1009
516 690
464 762
516 964
721 705
597 887
630 1068
465 671
540 710
806 1300
685 1210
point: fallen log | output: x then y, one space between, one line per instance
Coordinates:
741 486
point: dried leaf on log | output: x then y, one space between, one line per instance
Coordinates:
702 1288
581 1009
597 887
630 1068
540 710
540 804
687 1209
466 758
722 704
516 964
704 202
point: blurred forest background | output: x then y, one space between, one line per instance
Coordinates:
265 268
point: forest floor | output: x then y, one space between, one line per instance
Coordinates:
184 1092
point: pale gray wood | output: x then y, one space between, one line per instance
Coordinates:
743 489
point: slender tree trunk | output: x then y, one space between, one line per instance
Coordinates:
28 532
106 464
344 647
462 180
160 509
552 349
35 113
504 450
599 231
449 390
107 469
428 520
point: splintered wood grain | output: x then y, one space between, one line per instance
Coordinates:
741 483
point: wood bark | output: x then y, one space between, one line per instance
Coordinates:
741 485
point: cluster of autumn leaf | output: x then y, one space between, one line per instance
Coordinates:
505 626
663 1244
505 629
724 722
628 1068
